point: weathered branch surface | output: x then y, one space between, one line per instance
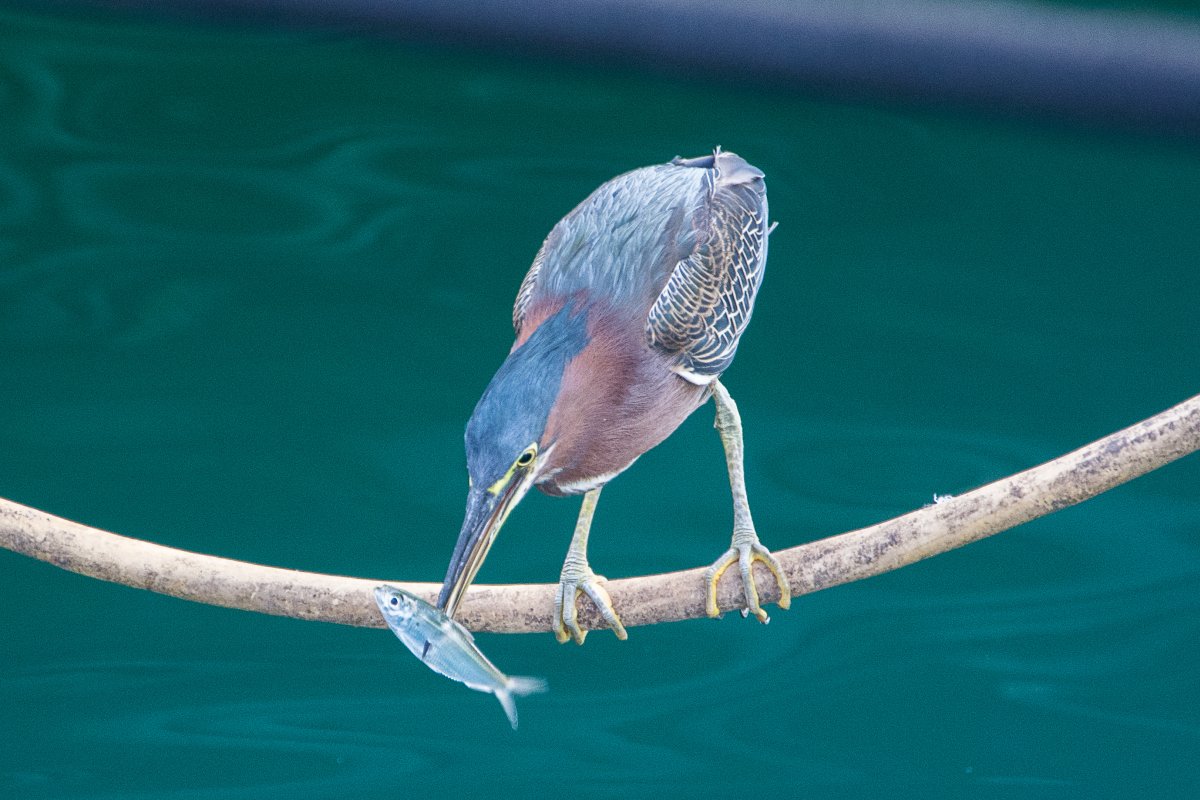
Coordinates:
852 556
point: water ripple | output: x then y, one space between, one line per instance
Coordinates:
871 468
72 297
18 197
1074 702
180 204
34 93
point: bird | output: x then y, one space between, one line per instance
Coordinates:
631 311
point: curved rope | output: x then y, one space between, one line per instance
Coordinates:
525 608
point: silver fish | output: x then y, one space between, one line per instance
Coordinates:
449 649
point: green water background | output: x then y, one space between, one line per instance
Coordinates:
252 283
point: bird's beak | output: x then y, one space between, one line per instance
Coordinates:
486 512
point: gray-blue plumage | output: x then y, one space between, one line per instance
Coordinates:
625 237
687 240
512 412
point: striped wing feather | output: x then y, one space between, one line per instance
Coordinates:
525 293
708 299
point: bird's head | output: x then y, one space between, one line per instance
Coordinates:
508 447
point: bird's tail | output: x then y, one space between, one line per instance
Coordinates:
517 686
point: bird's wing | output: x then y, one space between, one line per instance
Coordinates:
620 244
525 293
708 299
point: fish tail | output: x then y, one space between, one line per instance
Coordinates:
517 686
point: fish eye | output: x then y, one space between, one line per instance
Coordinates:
395 601
526 458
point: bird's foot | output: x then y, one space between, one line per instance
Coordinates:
745 550
566 615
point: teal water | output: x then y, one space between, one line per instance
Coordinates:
252 283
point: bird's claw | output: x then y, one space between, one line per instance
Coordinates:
566 614
746 549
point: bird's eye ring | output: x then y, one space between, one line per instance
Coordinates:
526 458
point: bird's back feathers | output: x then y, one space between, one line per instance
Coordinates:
679 246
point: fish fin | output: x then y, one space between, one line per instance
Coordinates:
521 685
510 708
517 686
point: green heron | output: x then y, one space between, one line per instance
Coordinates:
630 313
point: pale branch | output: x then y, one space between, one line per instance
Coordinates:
945 525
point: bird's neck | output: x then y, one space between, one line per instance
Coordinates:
514 408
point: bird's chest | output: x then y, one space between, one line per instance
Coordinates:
589 461
613 438
576 482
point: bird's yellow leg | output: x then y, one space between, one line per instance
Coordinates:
745 548
577 578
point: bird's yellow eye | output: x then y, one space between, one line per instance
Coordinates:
526 458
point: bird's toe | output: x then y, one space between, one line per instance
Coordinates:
746 550
566 616
566 612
